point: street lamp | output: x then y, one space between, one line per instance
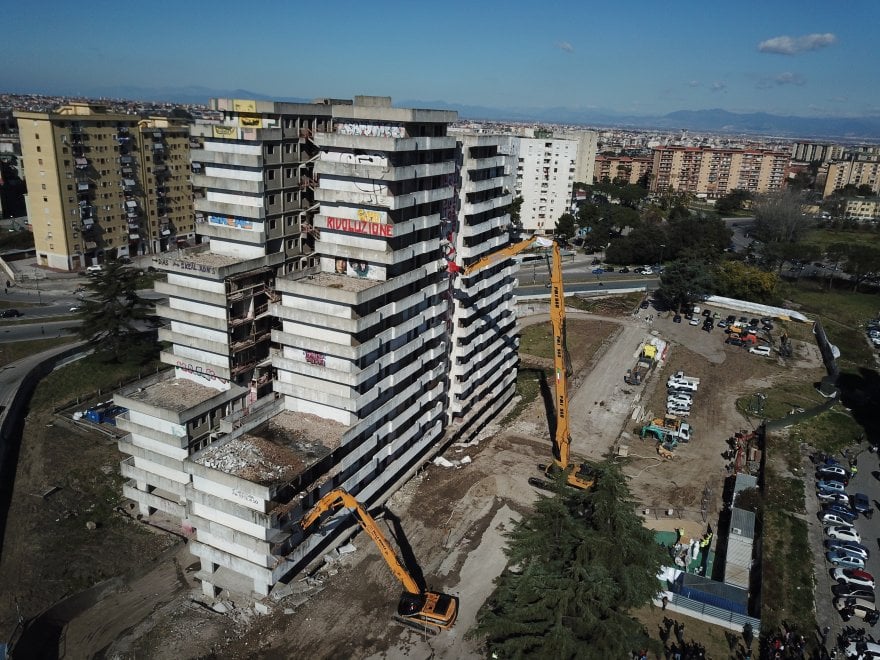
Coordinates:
660 265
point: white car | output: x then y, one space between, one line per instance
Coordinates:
694 321
686 399
852 576
97 268
834 519
648 271
843 534
760 350
839 498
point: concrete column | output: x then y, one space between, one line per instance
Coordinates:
261 587
208 588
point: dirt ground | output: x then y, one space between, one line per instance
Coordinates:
454 519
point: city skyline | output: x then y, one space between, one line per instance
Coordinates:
741 57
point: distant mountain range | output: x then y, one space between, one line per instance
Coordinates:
863 129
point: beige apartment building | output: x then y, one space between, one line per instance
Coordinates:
105 185
713 173
862 169
630 169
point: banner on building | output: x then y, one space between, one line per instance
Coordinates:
244 105
250 121
225 132
231 221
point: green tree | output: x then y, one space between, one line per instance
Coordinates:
862 262
566 226
780 218
732 201
736 279
579 564
697 237
112 311
684 282
514 211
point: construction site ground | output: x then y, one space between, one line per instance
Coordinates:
454 519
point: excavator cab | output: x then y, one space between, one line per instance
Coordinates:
429 611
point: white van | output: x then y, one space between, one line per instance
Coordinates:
97 268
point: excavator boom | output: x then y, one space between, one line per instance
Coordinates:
578 475
426 610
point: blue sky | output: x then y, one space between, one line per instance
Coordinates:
806 58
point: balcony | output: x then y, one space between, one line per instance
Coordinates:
126 161
83 185
81 162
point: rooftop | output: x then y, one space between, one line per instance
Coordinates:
276 451
177 394
334 281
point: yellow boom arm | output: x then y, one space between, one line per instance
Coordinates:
339 498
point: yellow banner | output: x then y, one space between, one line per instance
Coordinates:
225 132
242 105
250 121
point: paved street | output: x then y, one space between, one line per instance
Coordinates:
866 482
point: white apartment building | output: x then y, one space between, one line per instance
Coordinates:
588 148
545 175
322 337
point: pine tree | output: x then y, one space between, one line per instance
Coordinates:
577 565
112 310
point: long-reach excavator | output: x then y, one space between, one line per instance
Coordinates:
428 611
577 475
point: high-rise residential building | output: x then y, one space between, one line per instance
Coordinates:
857 170
630 169
809 152
315 333
586 153
713 173
545 176
104 185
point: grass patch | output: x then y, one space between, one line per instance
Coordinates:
784 493
537 340
611 306
95 375
15 351
783 398
824 238
528 389
787 573
830 432
16 304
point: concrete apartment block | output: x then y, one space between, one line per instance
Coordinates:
545 176
105 185
325 322
484 334
168 419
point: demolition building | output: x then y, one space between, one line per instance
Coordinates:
321 336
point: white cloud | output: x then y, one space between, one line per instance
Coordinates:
785 45
565 46
784 78
694 83
718 86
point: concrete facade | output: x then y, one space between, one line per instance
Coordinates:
104 185
545 176
588 147
629 169
856 171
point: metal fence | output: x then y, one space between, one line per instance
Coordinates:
728 619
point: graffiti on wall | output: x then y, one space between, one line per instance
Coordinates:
370 130
208 374
370 228
181 265
313 357
231 221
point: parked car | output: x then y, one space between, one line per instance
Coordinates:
92 270
75 308
760 350
858 608
849 547
708 324
830 486
625 269
834 519
731 319
10 313
844 534
828 496
862 504
676 318
833 472
844 560
647 271
638 269
609 269
598 271
840 510
853 591
853 576
862 650
734 341
721 323
644 304
694 321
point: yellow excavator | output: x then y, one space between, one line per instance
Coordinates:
579 475
427 611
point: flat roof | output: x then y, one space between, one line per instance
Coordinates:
343 282
177 394
276 451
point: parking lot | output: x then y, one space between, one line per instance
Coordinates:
865 481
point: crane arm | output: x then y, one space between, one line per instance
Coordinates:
504 253
340 498
557 320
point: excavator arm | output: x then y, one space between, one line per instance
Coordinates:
339 498
427 611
